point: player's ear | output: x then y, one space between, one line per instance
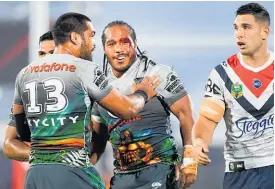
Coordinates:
75 38
265 32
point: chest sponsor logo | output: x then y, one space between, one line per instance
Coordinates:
256 128
52 121
52 67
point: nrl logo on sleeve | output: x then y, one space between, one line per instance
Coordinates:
237 90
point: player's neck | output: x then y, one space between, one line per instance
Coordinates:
116 73
61 49
258 59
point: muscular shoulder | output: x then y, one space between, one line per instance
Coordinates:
219 76
85 68
85 64
21 73
165 72
171 86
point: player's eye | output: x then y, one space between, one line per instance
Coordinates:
110 44
93 34
41 54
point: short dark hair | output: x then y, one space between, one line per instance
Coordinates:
46 36
255 9
118 23
68 23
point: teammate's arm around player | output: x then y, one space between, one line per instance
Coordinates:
123 106
126 107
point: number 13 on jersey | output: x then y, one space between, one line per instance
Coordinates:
55 101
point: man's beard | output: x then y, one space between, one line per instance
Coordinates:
85 54
91 56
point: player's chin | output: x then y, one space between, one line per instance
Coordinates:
121 69
244 52
122 65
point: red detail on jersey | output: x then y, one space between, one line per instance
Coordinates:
248 77
53 67
26 70
137 118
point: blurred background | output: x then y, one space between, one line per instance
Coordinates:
192 37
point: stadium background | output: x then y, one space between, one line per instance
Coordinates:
192 37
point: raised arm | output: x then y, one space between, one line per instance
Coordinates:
126 107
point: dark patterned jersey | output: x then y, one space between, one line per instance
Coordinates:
146 138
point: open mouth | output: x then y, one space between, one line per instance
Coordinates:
241 45
120 58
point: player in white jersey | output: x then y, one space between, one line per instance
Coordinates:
241 90
55 94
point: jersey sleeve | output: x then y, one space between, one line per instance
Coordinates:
171 88
94 81
214 86
17 93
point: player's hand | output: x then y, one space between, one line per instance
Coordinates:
182 180
200 149
148 85
180 176
189 167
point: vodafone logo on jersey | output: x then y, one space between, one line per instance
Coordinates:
52 67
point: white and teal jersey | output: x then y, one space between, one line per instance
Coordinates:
57 93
